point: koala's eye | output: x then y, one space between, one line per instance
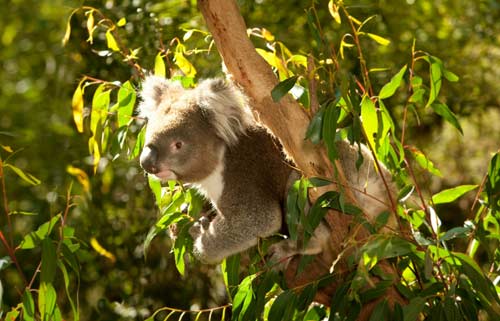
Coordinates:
178 145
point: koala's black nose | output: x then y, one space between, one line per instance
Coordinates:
149 158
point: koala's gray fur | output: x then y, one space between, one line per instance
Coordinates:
208 137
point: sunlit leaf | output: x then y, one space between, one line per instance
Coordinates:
159 69
390 88
243 296
101 250
126 103
369 120
451 194
27 177
230 270
81 176
282 88
34 238
434 218
77 107
424 162
184 65
111 41
121 22
47 297
380 40
100 105
435 79
268 36
6 148
334 11
67 34
90 26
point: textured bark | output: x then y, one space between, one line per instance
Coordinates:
287 121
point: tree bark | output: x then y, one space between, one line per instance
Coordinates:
288 121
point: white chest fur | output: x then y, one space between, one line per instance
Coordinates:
213 185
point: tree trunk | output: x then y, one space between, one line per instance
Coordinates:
288 121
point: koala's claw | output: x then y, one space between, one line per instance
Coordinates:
199 227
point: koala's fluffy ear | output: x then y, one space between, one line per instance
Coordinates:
228 107
154 90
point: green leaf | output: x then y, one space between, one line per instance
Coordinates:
231 272
424 162
47 297
28 178
369 120
110 40
100 105
244 296
126 103
435 78
329 129
457 232
390 88
12 314
65 274
159 69
28 306
443 111
412 311
283 306
282 88
315 127
34 238
450 76
493 183
451 194
155 186
380 40
49 260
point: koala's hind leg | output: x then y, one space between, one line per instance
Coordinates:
282 252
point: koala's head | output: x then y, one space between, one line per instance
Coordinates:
188 129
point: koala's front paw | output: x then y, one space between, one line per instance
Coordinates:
199 227
280 254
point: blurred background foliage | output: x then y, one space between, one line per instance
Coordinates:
38 76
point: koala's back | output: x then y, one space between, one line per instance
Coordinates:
256 165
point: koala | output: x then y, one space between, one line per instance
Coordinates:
208 137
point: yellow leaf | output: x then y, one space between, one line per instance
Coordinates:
81 176
90 26
7 148
267 35
356 21
67 33
159 65
184 65
101 250
77 107
121 22
334 11
380 40
110 39
96 153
